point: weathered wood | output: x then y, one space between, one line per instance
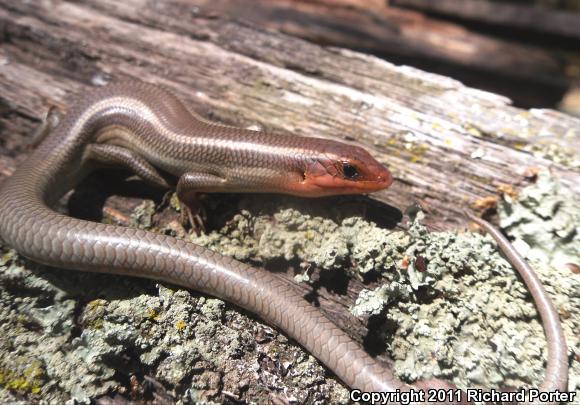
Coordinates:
425 127
530 17
387 30
529 74
447 145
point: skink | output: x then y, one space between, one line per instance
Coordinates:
146 129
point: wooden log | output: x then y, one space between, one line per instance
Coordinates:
424 126
529 17
448 145
372 28
528 74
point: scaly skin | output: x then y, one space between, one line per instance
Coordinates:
145 128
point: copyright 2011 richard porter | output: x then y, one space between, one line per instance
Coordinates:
454 395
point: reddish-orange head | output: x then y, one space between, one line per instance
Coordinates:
342 169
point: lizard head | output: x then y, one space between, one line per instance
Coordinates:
342 169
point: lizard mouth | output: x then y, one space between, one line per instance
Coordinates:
326 184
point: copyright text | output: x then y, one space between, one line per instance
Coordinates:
454 395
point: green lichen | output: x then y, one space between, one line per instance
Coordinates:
463 314
468 296
411 144
24 379
556 152
432 310
153 314
142 215
544 221
93 314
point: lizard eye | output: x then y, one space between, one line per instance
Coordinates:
350 172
